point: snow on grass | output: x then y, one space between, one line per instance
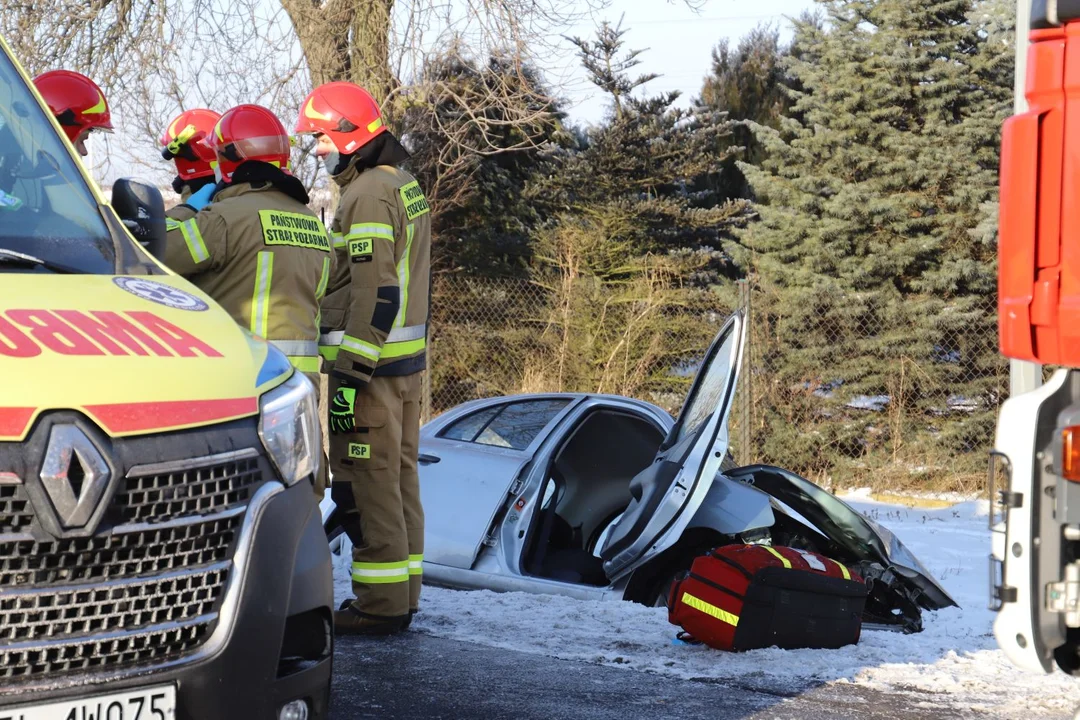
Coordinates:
953 663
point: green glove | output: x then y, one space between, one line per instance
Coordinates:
9 202
342 411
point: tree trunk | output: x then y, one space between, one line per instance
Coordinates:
345 40
370 51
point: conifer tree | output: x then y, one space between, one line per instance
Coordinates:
873 254
646 160
632 247
746 83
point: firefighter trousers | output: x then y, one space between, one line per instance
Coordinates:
376 484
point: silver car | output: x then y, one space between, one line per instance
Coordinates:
604 497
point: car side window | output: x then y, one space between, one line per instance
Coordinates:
468 427
708 393
513 425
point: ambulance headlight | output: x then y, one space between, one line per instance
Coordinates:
289 428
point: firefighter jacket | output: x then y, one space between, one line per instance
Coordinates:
374 317
261 254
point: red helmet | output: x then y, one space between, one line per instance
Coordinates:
249 132
180 142
75 100
344 112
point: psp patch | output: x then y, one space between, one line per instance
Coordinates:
413 199
360 250
161 294
358 451
295 229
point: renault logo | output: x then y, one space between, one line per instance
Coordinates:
74 476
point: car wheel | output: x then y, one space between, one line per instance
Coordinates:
650 584
663 587
658 594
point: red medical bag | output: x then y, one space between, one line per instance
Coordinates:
742 597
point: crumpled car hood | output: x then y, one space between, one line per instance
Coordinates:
871 549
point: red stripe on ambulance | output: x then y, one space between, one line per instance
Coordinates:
140 417
24 333
13 420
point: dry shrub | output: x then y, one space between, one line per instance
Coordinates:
618 323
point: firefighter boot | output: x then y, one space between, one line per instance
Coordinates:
350 621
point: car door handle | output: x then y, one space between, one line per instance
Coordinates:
426 459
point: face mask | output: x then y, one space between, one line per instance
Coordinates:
217 173
81 148
331 162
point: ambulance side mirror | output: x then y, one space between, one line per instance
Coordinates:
142 209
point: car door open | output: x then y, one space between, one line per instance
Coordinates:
666 495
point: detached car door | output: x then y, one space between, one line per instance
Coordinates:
668 493
470 462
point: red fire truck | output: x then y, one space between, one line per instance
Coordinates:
1035 466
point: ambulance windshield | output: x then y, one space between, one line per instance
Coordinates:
46 209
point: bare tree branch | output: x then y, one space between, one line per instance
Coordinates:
155 58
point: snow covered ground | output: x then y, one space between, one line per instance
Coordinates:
953 663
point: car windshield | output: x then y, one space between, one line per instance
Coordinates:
50 221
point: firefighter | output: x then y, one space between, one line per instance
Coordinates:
78 104
374 344
195 160
257 249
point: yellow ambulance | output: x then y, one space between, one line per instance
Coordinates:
161 550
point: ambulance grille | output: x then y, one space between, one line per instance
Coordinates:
122 599
16 515
170 495
146 589
116 555
176 598
107 652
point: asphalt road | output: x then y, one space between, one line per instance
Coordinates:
419 676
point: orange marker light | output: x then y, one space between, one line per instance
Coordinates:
1070 451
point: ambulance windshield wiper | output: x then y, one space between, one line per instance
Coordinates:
10 257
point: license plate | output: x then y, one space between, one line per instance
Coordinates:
156 703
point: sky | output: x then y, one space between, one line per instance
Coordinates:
679 42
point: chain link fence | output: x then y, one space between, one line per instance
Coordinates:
889 400
493 338
903 396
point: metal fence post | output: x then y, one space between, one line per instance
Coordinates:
746 392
